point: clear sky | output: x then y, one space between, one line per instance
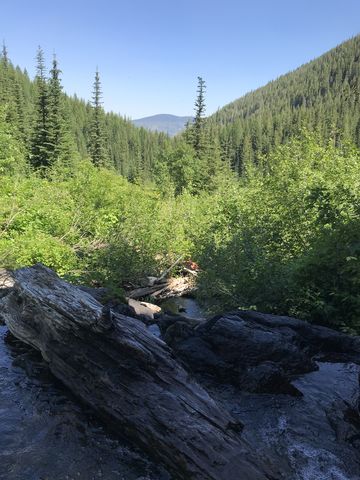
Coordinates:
150 52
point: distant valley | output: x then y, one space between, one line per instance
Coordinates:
170 124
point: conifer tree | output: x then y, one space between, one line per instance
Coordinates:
199 134
5 82
55 119
4 54
97 141
61 144
19 106
40 155
205 141
12 98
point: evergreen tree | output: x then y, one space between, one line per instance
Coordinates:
198 136
12 99
97 145
6 84
19 108
61 144
4 55
55 114
40 155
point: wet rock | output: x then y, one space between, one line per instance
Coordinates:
255 351
6 283
144 310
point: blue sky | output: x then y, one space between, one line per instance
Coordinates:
149 53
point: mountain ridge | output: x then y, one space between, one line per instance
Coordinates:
322 95
163 122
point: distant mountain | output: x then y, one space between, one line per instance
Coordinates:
170 124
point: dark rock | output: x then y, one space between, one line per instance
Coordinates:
5 286
179 322
345 421
255 351
123 309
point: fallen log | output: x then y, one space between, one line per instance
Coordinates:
145 291
168 270
128 376
172 287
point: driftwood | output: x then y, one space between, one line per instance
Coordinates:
128 376
173 287
168 270
161 287
145 291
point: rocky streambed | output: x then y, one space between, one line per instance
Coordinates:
240 396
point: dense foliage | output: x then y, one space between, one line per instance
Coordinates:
287 240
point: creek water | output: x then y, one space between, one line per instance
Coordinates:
183 305
309 437
46 434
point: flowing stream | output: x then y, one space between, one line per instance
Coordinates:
182 305
46 434
313 437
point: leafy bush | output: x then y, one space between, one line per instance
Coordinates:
289 241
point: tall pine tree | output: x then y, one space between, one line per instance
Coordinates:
40 155
61 144
4 76
55 114
199 134
97 141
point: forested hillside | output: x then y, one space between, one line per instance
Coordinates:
132 151
323 96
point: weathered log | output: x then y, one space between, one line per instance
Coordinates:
128 376
168 270
145 291
176 287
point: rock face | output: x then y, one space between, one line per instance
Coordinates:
128 376
257 352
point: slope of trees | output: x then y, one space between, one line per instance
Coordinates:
51 125
323 96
